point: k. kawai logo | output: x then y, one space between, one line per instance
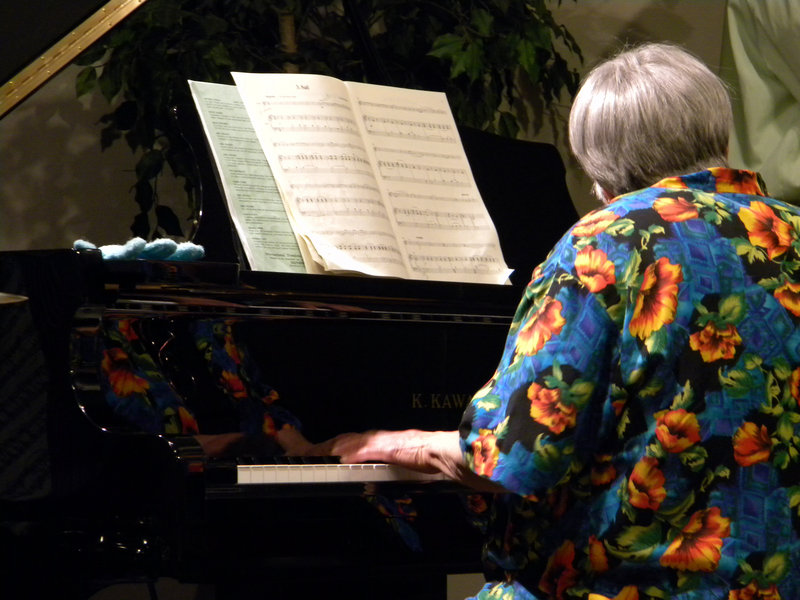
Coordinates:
440 401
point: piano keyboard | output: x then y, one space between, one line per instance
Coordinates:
329 473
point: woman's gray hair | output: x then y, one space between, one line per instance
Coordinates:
650 112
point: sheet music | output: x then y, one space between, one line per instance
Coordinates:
253 198
313 143
439 217
374 178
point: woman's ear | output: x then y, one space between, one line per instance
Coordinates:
601 194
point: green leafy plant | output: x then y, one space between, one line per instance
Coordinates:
482 54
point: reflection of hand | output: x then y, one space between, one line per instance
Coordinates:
219 444
293 442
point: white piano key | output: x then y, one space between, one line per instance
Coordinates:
330 473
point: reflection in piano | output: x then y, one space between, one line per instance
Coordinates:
140 497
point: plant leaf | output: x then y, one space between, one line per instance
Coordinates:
150 165
447 46
86 81
482 21
144 195
141 226
168 220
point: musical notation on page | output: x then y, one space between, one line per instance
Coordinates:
250 190
453 264
330 162
424 218
410 129
293 102
363 169
443 198
324 207
398 170
311 123
410 107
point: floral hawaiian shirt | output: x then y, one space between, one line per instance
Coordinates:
646 409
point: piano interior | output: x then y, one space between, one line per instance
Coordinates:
96 489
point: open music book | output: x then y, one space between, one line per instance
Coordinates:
326 176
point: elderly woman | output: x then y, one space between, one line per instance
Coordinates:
642 425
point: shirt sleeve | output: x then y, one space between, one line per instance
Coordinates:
542 410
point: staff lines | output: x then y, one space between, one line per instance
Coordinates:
410 196
405 108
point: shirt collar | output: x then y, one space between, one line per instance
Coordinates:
718 179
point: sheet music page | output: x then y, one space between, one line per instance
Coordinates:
253 198
439 217
313 143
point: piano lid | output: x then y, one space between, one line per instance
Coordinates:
44 36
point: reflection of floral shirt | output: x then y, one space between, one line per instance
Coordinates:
146 379
646 410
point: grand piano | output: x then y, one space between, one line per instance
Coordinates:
91 496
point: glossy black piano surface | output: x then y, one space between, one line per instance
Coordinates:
87 488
